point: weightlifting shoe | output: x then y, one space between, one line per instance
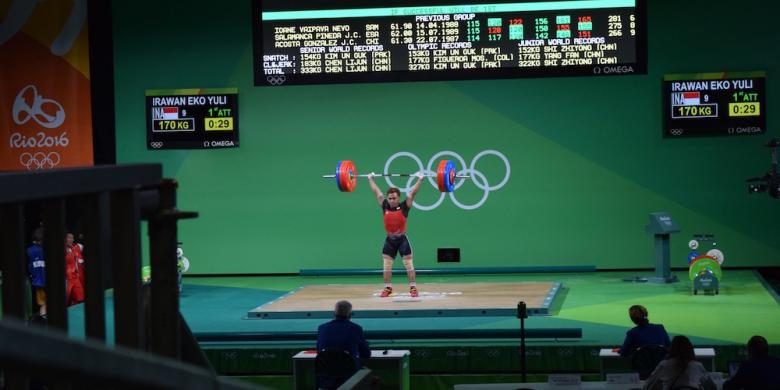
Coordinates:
413 292
386 292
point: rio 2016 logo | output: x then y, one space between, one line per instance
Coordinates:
30 105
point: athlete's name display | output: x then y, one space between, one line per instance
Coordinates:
312 42
191 118
707 104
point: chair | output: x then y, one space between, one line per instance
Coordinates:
646 358
333 367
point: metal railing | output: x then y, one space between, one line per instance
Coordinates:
112 202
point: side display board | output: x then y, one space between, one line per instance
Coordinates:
191 118
710 104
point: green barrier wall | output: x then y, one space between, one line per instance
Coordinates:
447 359
588 162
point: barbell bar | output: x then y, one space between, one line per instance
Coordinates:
397 175
346 176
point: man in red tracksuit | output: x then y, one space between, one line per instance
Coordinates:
74 288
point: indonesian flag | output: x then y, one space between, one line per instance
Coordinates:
691 98
173 112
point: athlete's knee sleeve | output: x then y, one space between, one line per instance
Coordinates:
409 264
388 264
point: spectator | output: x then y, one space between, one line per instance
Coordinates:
760 371
343 334
74 288
679 369
36 267
82 273
644 333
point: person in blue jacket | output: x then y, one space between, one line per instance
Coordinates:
36 267
343 334
644 333
760 371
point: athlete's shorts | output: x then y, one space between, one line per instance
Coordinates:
40 296
397 244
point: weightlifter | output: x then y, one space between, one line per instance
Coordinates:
395 214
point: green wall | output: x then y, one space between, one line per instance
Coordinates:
588 162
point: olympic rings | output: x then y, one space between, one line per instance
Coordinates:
478 178
502 157
39 160
409 188
486 191
276 80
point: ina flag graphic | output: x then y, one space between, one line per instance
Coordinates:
686 98
691 98
173 112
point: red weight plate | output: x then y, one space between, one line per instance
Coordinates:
352 176
344 176
440 175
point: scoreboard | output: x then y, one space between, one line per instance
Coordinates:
192 118
707 104
313 41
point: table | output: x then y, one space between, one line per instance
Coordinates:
546 386
391 366
717 378
611 362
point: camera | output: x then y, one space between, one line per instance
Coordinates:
770 182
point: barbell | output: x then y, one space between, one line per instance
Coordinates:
346 176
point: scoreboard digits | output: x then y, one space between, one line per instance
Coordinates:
218 124
312 42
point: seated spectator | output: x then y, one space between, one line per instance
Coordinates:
343 334
760 371
679 369
644 333
334 340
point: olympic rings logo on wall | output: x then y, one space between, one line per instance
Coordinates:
477 177
39 160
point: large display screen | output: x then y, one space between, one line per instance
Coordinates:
709 104
192 118
314 41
